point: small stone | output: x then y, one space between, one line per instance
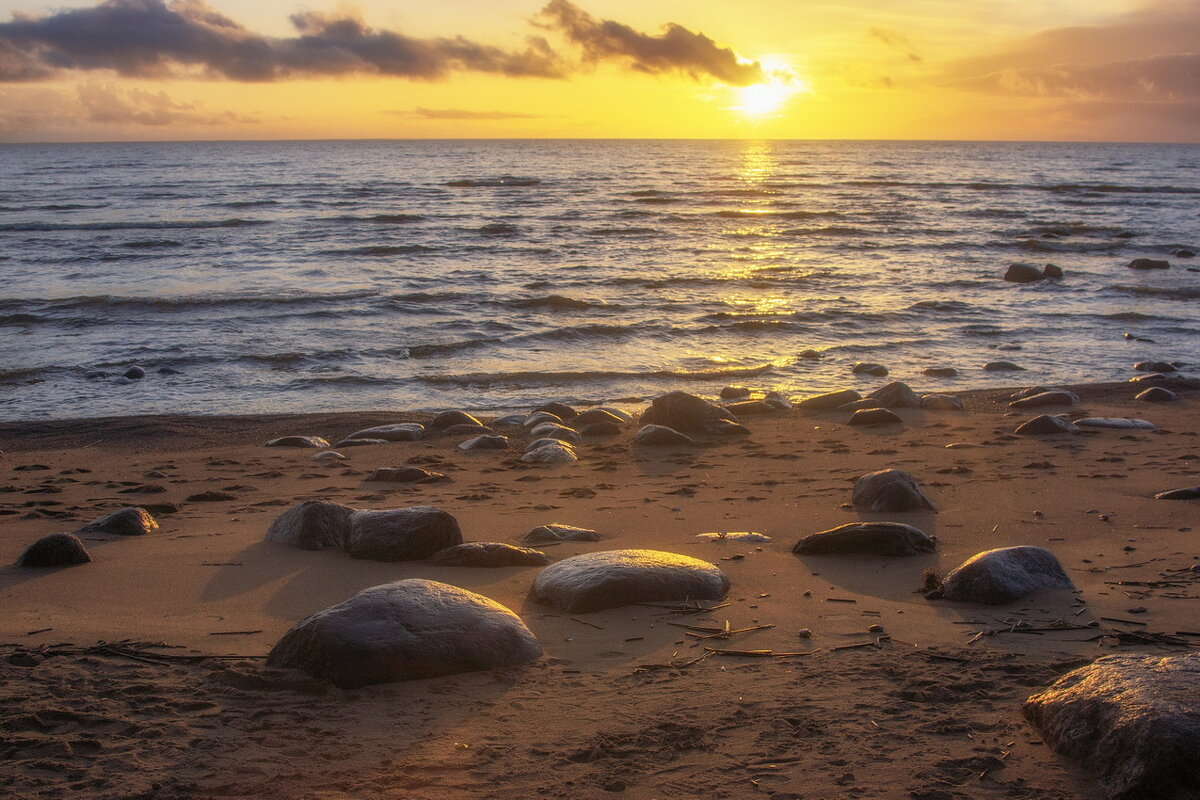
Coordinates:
561 410
562 433
404 475
1004 575
868 368
55 550
360 442
1002 366
941 402
609 579
448 418
809 355
875 629
874 416
1052 398
134 373
465 429
805 633
1023 273
890 490
1052 271
209 497
896 394
829 400
556 532
940 372
734 392
1155 366
485 443
685 412
872 538
1190 493
596 416
550 454
298 441
1046 425
329 455
735 536
1149 263
399 432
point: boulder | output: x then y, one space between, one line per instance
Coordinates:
298 441
1023 273
809 355
661 436
1052 271
726 428
896 394
1151 378
406 630
874 416
596 581
866 402
1149 263
1191 493
1002 366
485 443
466 429
562 433
941 402
685 412
1002 576
829 400
402 534
555 532
1156 394
448 418
360 442
1056 397
748 408
561 410
620 414
551 453
595 416
600 429
400 432
312 525
405 475
126 522
1120 423
55 550
539 417
489 554
868 368
134 373
890 490
777 399
1133 720
1155 366
940 372
870 538
734 393
1046 425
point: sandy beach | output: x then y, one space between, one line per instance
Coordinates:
926 706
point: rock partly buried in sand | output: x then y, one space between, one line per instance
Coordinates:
1191 493
777 399
538 417
1046 425
466 429
890 490
868 368
735 536
448 419
829 400
896 394
1002 366
209 497
748 408
1134 720
406 630
661 436
868 417
298 441
556 532
552 452
1155 366
734 393
596 581
126 522
360 442
1157 394
600 429
561 410
552 430
941 402
1023 273
870 538
685 412
485 443
489 554
405 475
400 432
1056 397
595 416
1002 576
402 534
312 525
725 428
55 550
940 372
509 421
329 455
1149 263
1120 423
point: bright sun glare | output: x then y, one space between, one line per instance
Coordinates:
770 96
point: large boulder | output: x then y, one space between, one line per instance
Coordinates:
402 534
685 412
1134 720
489 554
596 581
872 538
829 400
399 432
1156 366
312 525
896 394
1023 273
406 630
126 522
890 490
1046 425
55 550
1002 576
661 436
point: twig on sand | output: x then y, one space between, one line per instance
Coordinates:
585 622
233 633
145 652
687 607
726 632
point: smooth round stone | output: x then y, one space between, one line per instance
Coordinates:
620 414
868 368
829 400
941 402
329 455
541 417
1149 263
399 432
869 538
557 532
1023 273
485 443
562 433
1155 366
600 429
1157 394
312 525
447 419
551 454
404 475
1119 423
1004 575
134 373
874 416
748 408
489 554
407 630
734 392
595 416
613 578
561 410
360 442
55 550
1002 366
509 421
126 522
1057 397
402 534
940 372
298 441
896 394
466 429
661 436
685 412
890 490
1046 425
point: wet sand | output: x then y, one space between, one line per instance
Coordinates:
928 708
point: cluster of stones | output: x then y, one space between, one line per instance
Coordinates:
67 549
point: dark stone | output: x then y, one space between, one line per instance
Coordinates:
557 532
896 394
298 441
55 550
1156 394
867 417
134 373
399 432
489 554
725 428
1184 253
1056 397
829 400
1134 720
613 578
661 436
403 534
593 416
209 497
126 522
734 392
749 408
866 402
684 412
561 410
360 442
1002 366
1052 271
405 475
890 490
168 371
1151 378
1191 493
600 429
465 429
1154 366
485 443
448 418
871 538
1003 576
312 525
552 430
1023 273
407 630
1046 425
810 355
1149 263
878 370
940 372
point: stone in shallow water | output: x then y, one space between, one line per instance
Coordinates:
407 630
489 554
1023 273
868 368
556 532
1155 366
1149 263
402 534
55 550
1003 576
312 525
734 393
890 490
940 372
596 581
871 538
126 522
298 441
1046 425
1134 720
1002 366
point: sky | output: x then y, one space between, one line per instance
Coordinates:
1044 70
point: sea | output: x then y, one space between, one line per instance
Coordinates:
255 277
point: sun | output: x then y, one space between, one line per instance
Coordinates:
768 97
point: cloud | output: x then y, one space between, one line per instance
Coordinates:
1167 78
460 114
153 38
108 105
677 49
896 41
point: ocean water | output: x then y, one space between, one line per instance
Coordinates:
304 276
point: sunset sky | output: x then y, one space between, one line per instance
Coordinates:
875 69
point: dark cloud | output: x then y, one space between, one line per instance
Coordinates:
677 49
1168 78
153 38
460 114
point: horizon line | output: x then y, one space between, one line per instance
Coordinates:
281 140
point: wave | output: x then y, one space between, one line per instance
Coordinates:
245 203
941 305
503 180
567 378
554 302
766 214
379 250
497 229
1167 293
623 231
387 219
446 348
106 302
828 230
151 244
148 225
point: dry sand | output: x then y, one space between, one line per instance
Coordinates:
927 713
